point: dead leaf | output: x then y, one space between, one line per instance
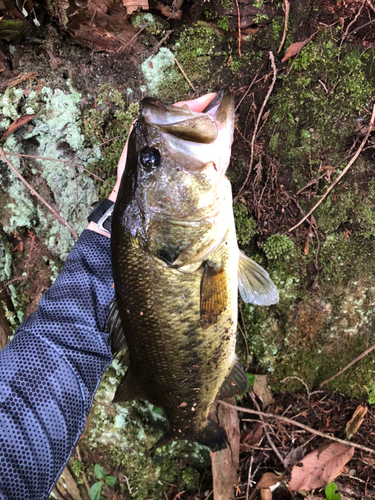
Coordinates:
173 12
132 5
306 248
261 389
294 49
356 421
23 120
254 436
267 480
265 494
318 468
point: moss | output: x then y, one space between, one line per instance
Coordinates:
153 24
199 50
160 71
222 23
245 225
303 111
78 469
110 121
227 4
278 245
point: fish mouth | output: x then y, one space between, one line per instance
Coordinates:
206 136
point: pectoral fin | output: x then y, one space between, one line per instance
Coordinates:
213 294
254 283
236 382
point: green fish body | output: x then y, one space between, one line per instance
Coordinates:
177 268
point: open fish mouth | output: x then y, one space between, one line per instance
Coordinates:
206 136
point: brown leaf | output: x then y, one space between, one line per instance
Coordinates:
254 436
306 248
356 421
262 390
23 120
267 480
265 494
318 468
294 49
132 5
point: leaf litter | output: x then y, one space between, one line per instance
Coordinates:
310 464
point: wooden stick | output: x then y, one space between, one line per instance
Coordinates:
353 361
257 125
239 28
271 443
229 458
52 210
302 426
358 152
183 72
286 10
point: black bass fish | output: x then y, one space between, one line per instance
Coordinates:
177 268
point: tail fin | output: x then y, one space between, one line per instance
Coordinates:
213 436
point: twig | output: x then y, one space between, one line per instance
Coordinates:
127 484
257 124
249 477
18 278
71 162
121 49
159 44
183 72
363 26
304 45
286 10
239 28
84 477
353 361
52 210
272 444
370 127
300 380
244 335
347 28
249 87
302 426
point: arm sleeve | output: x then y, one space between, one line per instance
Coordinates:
50 371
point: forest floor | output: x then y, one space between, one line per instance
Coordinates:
293 136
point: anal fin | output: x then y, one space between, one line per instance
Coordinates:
236 382
128 390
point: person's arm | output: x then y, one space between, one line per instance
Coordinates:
50 371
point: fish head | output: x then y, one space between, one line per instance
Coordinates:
177 158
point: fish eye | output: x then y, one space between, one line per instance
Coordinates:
149 158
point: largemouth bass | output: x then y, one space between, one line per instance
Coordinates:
177 268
